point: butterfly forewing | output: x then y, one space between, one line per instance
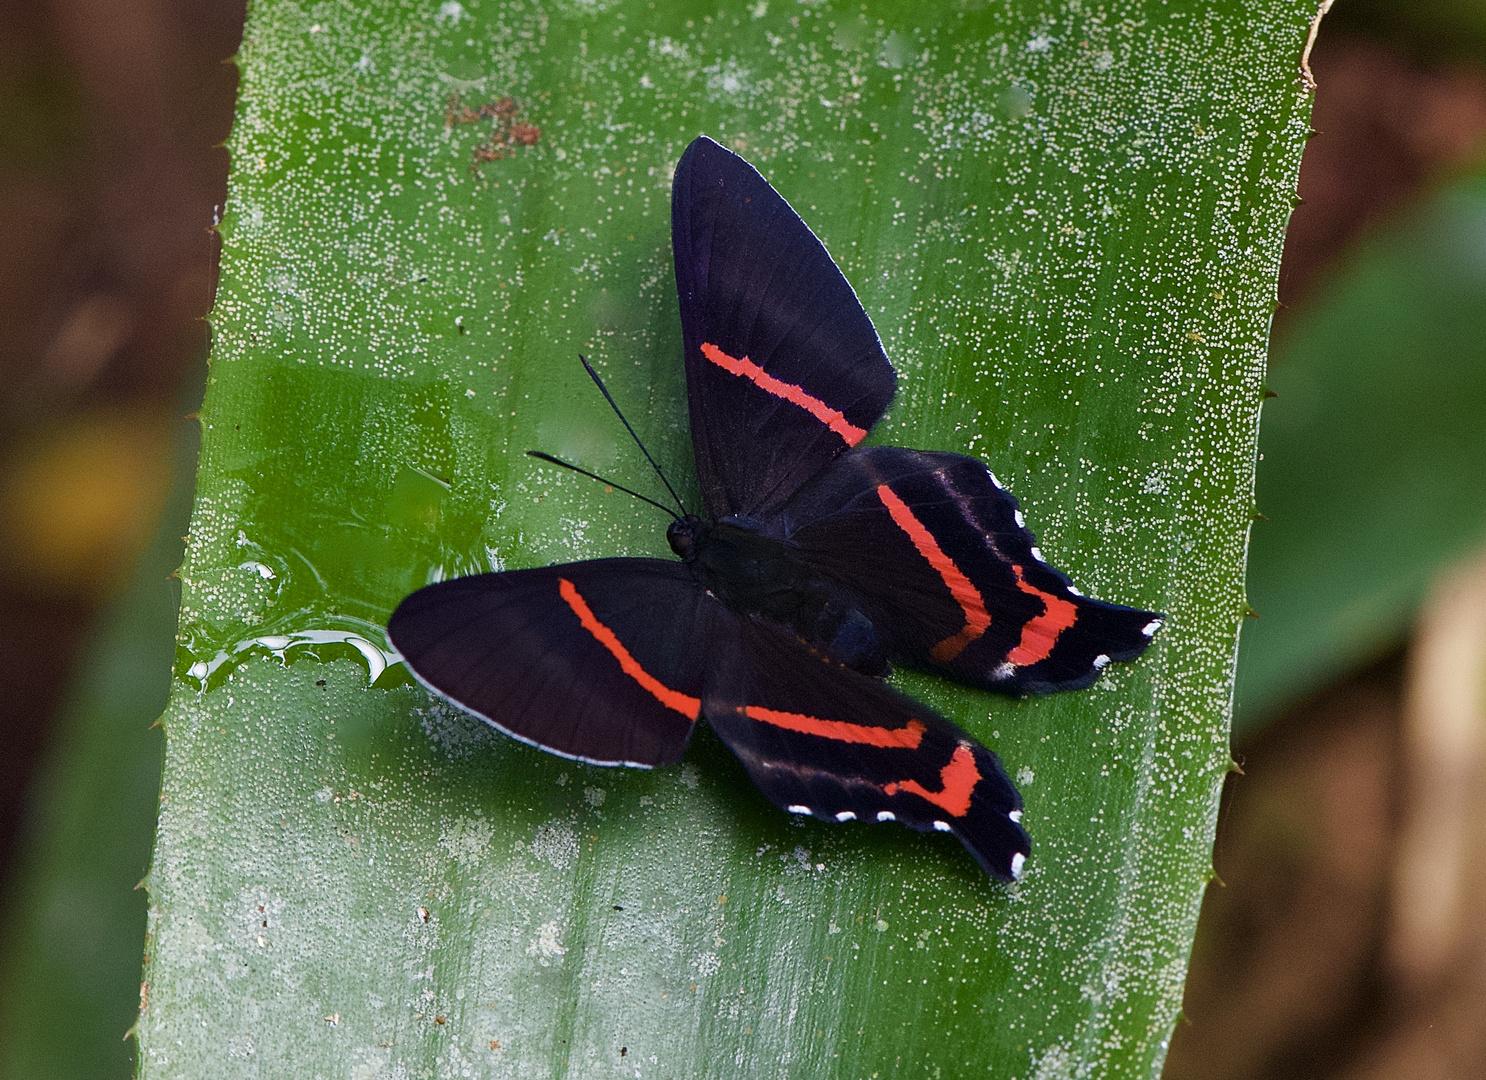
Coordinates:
820 739
784 369
593 660
948 571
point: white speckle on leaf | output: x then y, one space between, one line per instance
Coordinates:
466 840
555 843
547 946
898 50
455 732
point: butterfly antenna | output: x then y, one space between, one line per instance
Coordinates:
594 375
603 480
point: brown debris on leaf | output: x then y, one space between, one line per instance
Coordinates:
508 130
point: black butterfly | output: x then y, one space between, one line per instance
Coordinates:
816 565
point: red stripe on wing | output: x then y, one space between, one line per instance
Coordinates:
685 704
958 778
906 737
1040 634
977 618
795 395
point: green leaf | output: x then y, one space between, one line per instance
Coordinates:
73 943
1066 223
1373 452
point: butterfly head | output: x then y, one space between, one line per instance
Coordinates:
682 536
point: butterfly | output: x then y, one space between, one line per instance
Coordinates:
817 564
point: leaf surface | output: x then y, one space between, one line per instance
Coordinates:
1065 221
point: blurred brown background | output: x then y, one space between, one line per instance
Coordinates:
111 116
1340 943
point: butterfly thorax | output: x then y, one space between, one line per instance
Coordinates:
757 574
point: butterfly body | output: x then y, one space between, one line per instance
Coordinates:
818 563
754 573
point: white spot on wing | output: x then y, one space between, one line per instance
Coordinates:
994 482
798 809
1015 815
1100 661
1003 671
1021 522
1017 861
886 815
1151 627
942 826
1074 589
1037 553
846 815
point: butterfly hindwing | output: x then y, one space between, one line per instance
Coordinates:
784 370
952 577
821 739
592 660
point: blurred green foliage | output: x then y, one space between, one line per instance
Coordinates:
1374 469
70 951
